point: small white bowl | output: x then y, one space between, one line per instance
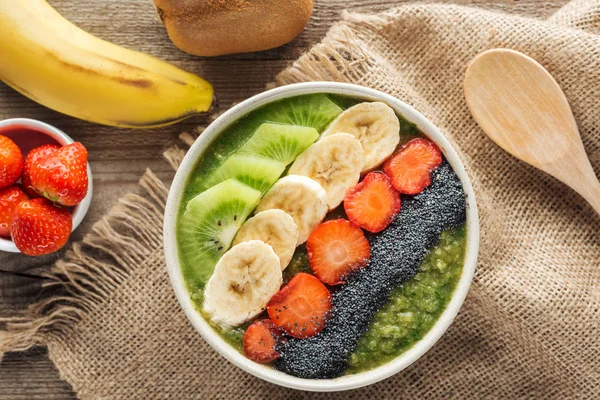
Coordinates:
10 128
264 372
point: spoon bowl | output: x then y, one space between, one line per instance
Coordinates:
521 107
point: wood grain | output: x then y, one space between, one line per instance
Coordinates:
520 106
119 157
31 376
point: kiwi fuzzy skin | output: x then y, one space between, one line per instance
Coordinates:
217 27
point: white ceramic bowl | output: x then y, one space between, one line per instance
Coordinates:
12 125
270 374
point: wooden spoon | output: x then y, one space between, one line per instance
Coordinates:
519 105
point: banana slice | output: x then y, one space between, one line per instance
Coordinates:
301 197
335 162
376 127
274 227
245 279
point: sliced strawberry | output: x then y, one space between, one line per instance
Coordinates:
373 203
61 176
32 159
9 198
11 162
39 227
335 249
260 341
301 307
410 167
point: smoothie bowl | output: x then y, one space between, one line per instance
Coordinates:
321 236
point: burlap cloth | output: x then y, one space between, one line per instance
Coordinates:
530 325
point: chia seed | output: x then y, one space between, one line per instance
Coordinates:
396 254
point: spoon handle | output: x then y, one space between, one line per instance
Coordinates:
577 172
574 169
592 195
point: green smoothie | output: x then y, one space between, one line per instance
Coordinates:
412 308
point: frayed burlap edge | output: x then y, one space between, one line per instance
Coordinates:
84 278
80 280
92 269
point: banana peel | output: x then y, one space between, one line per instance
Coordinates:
53 62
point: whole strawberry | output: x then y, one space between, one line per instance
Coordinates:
9 198
11 162
39 227
32 159
61 176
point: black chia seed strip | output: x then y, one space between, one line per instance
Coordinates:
396 254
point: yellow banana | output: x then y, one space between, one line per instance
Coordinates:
57 64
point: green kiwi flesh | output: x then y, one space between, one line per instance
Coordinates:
314 110
257 172
209 224
280 142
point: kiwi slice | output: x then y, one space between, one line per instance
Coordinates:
280 142
209 224
257 172
313 110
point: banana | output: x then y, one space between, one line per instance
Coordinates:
376 127
53 62
335 162
301 197
245 279
274 227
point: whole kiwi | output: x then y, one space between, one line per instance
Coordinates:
216 27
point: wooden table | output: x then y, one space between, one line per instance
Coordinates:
119 157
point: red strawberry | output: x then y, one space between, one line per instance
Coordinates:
9 198
32 159
410 167
61 176
335 249
373 203
11 162
260 340
301 307
39 227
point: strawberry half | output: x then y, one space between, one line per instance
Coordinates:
410 167
336 249
260 341
301 307
373 203
39 227
32 159
61 176
9 198
11 162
